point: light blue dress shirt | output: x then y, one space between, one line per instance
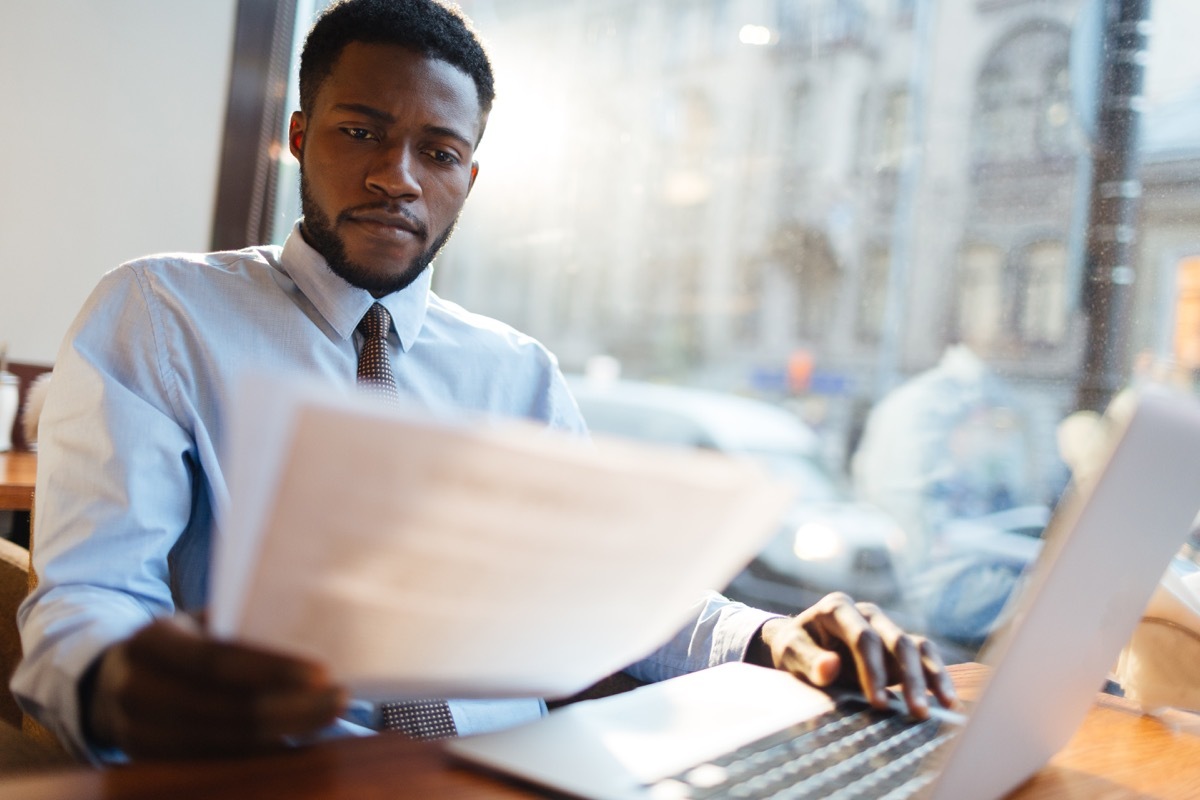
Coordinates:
132 453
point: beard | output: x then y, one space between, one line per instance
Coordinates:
321 233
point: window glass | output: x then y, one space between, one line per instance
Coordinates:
1023 95
981 299
872 214
1043 318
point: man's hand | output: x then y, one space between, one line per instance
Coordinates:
171 691
837 642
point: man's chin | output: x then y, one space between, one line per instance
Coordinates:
378 279
377 268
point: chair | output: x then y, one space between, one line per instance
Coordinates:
24 744
14 584
27 373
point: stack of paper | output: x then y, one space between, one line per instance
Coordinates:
417 557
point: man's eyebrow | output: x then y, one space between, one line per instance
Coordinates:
366 111
387 119
440 130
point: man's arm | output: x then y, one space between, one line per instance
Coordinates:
835 642
122 534
114 495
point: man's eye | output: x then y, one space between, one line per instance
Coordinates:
442 157
358 133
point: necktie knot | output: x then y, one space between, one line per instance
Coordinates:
374 363
376 322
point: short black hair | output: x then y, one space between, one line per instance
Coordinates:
430 27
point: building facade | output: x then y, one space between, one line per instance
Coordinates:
809 199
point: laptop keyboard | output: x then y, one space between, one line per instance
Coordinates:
854 751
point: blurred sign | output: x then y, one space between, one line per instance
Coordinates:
769 380
791 379
831 383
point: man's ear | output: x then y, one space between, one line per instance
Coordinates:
474 174
296 134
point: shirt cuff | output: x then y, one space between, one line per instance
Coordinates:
732 638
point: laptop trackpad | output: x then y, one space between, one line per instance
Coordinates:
610 748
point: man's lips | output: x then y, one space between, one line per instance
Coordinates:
388 222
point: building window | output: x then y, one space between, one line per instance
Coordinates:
981 299
821 24
1054 119
806 256
1018 299
1043 318
893 131
1022 102
872 294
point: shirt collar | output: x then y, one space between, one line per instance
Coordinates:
343 305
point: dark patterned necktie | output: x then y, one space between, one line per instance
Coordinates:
374 365
420 719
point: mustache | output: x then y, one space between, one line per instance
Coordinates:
386 209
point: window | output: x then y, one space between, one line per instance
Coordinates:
818 24
982 298
1012 302
872 293
1044 310
1023 100
893 130
726 189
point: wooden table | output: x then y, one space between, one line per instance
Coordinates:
1117 753
18 471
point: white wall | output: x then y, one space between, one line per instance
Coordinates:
111 116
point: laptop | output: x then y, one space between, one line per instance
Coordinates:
692 736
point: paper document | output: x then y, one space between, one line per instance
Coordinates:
419 558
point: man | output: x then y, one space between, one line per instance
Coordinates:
395 96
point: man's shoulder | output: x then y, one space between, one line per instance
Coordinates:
199 263
479 330
503 368
180 283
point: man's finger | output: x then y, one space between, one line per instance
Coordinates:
866 648
151 740
172 647
905 653
296 712
794 650
935 672
154 699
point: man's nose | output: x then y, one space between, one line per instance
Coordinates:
394 173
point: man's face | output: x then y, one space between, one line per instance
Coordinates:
385 162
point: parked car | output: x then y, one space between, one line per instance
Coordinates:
827 542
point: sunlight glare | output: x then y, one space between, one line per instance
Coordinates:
755 35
